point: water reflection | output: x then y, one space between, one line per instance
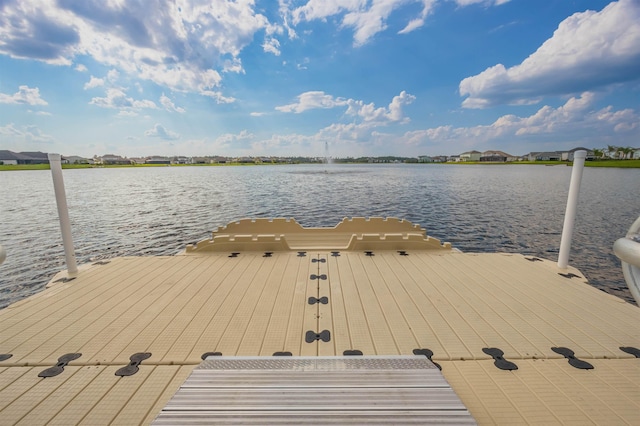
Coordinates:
154 211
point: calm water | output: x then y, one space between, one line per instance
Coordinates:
151 211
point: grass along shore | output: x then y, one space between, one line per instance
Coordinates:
630 164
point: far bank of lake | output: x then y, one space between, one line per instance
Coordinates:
623 164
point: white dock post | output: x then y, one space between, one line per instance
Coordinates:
63 213
570 213
3 254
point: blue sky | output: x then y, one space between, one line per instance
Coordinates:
366 77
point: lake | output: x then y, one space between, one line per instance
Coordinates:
157 211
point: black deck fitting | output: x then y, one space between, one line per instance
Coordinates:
59 367
312 336
132 368
499 361
571 356
313 300
428 353
631 350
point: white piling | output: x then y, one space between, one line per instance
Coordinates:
572 204
63 213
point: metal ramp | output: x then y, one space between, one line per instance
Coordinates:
315 390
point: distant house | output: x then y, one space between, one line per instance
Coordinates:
181 160
74 159
156 159
453 158
470 156
425 159
497 157
636 154
14 158
544 156
110 159
568 155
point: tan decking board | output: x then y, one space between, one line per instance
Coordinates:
180 307
549 391
88 395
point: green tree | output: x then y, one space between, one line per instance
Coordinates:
598 153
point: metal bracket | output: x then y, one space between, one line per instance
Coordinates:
335 253
369 253
403 253
282 354
323 260
4 357
573 361
267 254
302 253
234 254
352 352
569 275
207 354
318 277
59 367
499 361
313 300
132 368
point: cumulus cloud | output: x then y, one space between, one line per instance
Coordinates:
177 45
26 134
367 113
368 18
168 104
81 68
485 2
312 100
25 95
218 96
158 131
589 50
117 98
576 120
93 82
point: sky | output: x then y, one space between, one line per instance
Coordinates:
303 77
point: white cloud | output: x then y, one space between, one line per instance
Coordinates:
23 134
218 96
81 68
118 99
368 113
179 45
588 50
158 131
94 82
25 95
271 45
257 114
312 100
43 113
486 2
168 104
367 18
574 122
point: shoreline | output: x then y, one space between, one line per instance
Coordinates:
622 164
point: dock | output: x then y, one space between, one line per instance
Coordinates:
518 340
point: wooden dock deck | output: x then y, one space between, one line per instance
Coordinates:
362 294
